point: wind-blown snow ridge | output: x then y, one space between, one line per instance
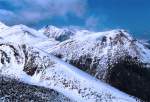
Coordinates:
56 75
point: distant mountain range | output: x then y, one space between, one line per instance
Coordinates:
78 65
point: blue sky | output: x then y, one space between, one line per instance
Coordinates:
99 15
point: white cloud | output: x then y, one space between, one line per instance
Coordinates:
6 15
34 10
6 12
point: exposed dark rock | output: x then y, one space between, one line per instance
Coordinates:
31 66
86 63
16 53
66 35
147 45
130 76
104 39
59 56
127 74
4 57
15 91
60 35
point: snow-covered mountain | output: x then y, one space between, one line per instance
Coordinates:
22 34
96 51
36 67
27 56
57 33
62 34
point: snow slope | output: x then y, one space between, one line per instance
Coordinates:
101 49
22 34
19 62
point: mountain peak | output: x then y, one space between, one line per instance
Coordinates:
59 34
118 36
119 32
108 37
100 45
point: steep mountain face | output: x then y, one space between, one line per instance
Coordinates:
113 57
95 52
36 67
100 54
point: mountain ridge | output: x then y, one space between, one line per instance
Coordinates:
26 66
98 52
